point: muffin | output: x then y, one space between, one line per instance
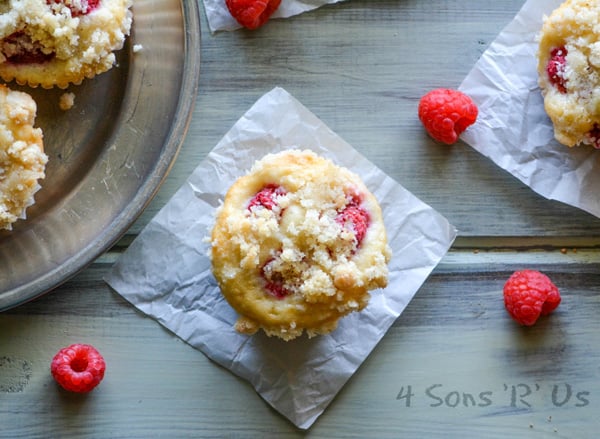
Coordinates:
51 43
22 158
297 244
569 71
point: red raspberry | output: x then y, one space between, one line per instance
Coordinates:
277 289
266 197
274 281
529 294
355 218
594 137
556 68
252 14
78 368
23 50
86 7
446 113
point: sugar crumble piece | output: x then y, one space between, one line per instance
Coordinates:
66 101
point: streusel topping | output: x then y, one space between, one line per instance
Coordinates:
22 158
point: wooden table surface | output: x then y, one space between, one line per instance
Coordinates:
452 365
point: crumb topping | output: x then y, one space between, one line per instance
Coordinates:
66 101
22 158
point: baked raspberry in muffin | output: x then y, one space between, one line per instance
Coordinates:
569 71
297 244
22 158
60 42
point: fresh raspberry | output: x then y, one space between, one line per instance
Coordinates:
266 197
77 10
355 218
556 68
252 14
529 294
446 113
78 368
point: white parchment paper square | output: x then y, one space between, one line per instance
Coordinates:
219 18
166 272
512 127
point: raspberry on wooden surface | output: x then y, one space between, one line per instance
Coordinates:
529 294
446 113
252 14
78 368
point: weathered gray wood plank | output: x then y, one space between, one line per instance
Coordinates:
453 364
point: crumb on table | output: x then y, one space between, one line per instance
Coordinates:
67 100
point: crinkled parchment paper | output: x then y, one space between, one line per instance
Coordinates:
166 272
513 129
219 18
